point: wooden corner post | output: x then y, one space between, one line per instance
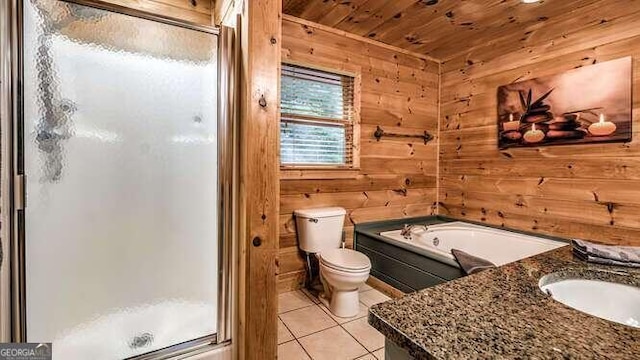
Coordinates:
259 178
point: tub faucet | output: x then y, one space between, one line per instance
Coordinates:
407 229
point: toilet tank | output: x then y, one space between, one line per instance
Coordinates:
319 229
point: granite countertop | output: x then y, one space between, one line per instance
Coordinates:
502 313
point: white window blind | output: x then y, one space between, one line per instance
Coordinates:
316 126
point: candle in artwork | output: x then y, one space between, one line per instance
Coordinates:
602 127
511 125
534 135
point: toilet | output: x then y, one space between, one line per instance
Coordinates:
342 271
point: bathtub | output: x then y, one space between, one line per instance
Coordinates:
496 245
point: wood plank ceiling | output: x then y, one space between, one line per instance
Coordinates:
442 29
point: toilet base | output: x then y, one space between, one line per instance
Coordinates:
341 290
344 304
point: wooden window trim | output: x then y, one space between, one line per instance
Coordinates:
300 171
317 173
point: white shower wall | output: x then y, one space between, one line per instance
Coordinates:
121 243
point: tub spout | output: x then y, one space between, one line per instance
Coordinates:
408 229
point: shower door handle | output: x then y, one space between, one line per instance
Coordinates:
19 193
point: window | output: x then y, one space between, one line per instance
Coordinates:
317 118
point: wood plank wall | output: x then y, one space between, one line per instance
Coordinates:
586 191
397 176
193 11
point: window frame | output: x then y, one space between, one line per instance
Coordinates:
329 171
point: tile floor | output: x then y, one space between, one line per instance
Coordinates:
308 331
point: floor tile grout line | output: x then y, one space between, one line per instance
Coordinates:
304 307
305 295
365 355
286 342
352 320
353 336
321 309
303 349
289 330
325 311
358 341
338 325
372 353
299 344
315 332
308 295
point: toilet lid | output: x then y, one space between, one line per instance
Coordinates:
345 259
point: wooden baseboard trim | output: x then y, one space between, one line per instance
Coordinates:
291 281
384 287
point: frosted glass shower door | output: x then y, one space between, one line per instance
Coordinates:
120 160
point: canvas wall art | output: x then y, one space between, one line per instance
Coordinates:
583 105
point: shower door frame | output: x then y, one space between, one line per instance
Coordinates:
12 192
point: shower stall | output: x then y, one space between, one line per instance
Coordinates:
117 174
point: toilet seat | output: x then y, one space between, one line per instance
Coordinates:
346 260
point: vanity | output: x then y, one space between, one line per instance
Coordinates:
504 313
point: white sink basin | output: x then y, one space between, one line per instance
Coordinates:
607 300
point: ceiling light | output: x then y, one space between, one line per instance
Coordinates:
530 1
